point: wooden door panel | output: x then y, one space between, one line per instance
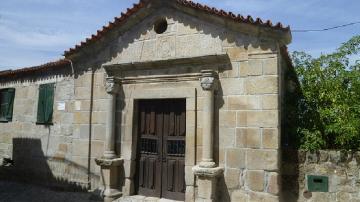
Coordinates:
149 151
173 182
161 148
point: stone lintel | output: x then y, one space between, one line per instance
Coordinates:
104 162
207 172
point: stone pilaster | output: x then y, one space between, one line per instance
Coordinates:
112 88
109 162
209 85
206 171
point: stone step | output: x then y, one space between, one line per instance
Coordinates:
138 198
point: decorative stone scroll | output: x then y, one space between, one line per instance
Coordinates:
111 86
208 80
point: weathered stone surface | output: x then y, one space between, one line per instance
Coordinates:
269 101
232 86
235 158
261 85
81 148
258 159
270 138
165 47
343 177
255 68
270 66
206 188
237 54
273 183
235 70
232 178
149 50
81 117
227 119
248 137
244 102
268 118
227 137
255 180
262 197
239 196
183 43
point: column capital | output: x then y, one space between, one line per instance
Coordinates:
111 85
208 80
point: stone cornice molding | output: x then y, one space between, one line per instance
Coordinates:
115 68
216 63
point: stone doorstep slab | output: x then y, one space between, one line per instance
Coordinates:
139 198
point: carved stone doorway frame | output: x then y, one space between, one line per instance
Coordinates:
199 72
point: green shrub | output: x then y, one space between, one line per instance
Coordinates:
328 109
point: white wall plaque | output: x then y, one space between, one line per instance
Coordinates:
61 106
77 105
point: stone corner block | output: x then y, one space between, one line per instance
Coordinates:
258 159
255 180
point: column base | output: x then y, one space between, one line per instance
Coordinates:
109 155
110 174
207 182
207 164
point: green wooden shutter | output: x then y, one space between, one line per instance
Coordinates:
49 103
45 104
4 104
41 105
10 103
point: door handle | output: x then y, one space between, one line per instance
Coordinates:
163 159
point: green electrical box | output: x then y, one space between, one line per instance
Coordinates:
316 183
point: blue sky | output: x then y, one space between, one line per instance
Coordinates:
33 32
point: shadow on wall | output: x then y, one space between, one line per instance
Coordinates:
30 165
289 166
223 193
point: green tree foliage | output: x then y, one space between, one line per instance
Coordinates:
328 112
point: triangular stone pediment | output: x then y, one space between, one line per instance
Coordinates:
185 36
188 34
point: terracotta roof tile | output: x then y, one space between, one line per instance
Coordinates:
45 67
186 3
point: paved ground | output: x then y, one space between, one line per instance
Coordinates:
138 198
18 192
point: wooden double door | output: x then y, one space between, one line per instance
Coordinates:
161 148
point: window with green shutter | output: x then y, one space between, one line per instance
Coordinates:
6 104
45 104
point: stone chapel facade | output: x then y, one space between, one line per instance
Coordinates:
172 100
